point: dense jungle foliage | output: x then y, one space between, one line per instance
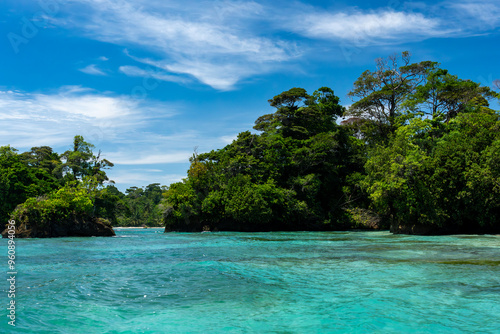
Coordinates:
418 146
42 185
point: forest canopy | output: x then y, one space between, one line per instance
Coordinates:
417 151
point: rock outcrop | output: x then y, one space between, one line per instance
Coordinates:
421 229
417 229
74 226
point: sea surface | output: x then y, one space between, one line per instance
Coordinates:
147 281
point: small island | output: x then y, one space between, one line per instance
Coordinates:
417 152
69 198
67 212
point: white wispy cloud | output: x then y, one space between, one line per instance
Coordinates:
369 27
135 71
186 39
479 13
92 70
221 76
131 133
55 118
222 43
228 139
148 158
143 177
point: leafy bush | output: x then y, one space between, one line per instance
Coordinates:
72 199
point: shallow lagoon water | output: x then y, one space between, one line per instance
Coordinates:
146 281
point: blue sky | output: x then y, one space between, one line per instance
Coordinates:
147 81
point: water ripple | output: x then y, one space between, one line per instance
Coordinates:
293 282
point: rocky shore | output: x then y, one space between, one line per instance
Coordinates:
73 226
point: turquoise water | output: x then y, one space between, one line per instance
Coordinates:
145 281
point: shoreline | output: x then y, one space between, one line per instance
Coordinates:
132 227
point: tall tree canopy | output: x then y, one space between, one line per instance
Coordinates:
44 158
419 154
444 178
81 161
301 116
444 96
419 151
379 94
19 181
292 176
40 172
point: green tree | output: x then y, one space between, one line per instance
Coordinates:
448 183
291 176
139 206
44 158
108 204
182 208
18 181
378 95
300 115
81 161
77 162
68 211
98 165
444 96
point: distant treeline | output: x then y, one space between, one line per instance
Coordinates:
418 151
46 186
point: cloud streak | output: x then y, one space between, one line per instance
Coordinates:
198 46
374 27
135 71
483 14
54 118
148 158
222 43
92 70
144 177
131 133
